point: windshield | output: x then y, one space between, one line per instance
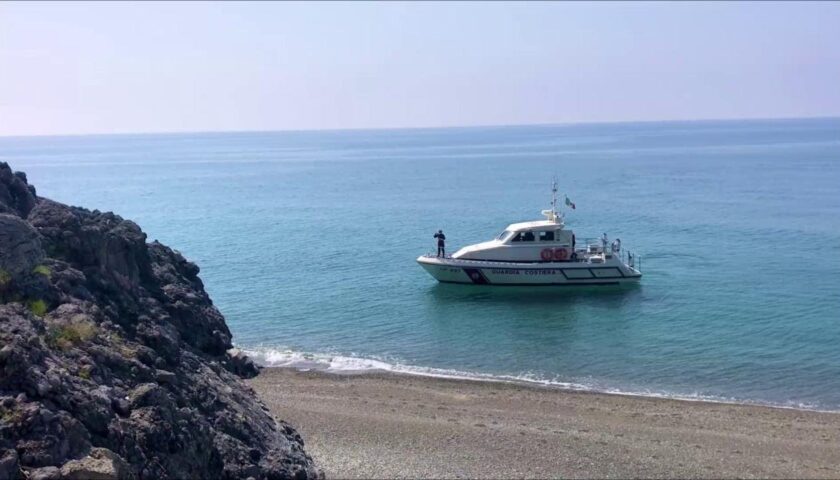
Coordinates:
504 235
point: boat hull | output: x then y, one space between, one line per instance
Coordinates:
477 272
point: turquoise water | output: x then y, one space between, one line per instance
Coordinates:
307 242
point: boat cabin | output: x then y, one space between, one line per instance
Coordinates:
539 241
536 232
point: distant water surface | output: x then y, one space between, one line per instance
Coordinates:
307 241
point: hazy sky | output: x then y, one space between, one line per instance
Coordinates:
123 67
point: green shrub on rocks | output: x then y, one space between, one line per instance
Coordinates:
65 337
5 278
42 270
10 415
37 307
85 372
116 341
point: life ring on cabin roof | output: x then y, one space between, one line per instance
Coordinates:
546 254
561 254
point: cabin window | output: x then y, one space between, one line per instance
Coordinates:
523 237
547 236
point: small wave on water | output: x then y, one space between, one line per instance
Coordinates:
354 365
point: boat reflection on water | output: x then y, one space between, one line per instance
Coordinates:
605 295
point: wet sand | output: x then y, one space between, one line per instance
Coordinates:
385 425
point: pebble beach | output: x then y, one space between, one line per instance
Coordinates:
385 425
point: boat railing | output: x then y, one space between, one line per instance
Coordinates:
633 260
595 246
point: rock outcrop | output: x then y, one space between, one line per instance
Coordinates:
114 363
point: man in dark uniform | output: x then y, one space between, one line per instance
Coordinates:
440 238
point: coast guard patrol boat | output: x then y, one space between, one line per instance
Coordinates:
537 253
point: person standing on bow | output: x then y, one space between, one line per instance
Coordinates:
441 238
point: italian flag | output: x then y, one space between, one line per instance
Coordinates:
569 203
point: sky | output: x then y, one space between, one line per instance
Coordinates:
77 68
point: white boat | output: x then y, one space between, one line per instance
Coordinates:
538 253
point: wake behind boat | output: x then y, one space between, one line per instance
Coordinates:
538 253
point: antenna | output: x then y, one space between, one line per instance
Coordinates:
552 214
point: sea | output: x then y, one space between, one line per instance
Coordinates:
307 242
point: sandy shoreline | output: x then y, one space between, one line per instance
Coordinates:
386 425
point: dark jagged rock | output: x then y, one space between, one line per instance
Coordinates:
20 246
114 362
16 196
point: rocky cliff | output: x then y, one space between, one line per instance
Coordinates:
114 363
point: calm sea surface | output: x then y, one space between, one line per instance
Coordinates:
307 243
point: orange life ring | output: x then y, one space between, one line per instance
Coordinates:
546 254
560 254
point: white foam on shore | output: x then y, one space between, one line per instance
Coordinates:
321 362
343 364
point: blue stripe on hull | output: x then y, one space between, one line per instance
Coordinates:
476 276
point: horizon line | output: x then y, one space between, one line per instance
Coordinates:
437 127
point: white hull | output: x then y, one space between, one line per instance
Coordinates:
451 270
